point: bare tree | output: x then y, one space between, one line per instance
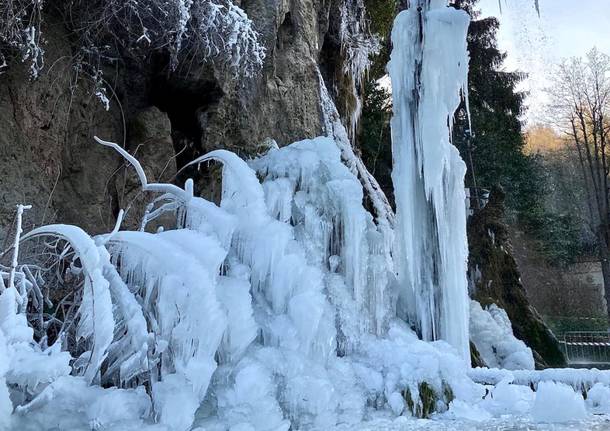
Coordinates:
581 105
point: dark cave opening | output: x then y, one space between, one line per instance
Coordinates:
188 103
286 33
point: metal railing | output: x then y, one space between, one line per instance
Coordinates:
587 348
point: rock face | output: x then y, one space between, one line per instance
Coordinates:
48 156
495 278
150 141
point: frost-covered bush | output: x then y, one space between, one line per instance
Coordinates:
214 30
273 308
20 22
197 30
358 45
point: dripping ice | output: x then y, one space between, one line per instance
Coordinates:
429 72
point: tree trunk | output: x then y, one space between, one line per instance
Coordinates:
605 262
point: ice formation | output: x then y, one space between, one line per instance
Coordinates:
274 309
358 46
556 402
429 68
492 335
278 308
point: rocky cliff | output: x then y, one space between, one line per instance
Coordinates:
47 154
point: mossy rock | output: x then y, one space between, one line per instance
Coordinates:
427 402
448 393
475 357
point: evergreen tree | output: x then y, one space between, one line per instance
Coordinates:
494 149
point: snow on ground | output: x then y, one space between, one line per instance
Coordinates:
598 423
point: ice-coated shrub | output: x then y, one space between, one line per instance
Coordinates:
200 30
20 22
357 43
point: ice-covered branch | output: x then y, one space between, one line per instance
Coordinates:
202 30
103 239
357 43
96 317
18 232
239 180
146 186
335 129
20 31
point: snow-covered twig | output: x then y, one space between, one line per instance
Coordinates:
204 30
18 232
103 239
146 186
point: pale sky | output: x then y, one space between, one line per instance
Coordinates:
565 28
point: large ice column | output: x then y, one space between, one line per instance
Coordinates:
429 70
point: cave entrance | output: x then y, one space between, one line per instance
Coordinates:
189 104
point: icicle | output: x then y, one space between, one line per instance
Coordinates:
335 129
428 68
128 356
177 291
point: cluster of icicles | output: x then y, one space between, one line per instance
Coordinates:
264 311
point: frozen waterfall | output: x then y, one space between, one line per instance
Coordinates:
429 72
286 305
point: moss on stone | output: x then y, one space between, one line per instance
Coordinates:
426 403
475 357
448 393
428 400
406 394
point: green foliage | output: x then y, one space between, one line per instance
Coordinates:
428 399
562 324
375 139
495 105
560 234
426 404
381 14
495 150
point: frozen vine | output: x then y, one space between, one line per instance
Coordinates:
199 30
358 46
